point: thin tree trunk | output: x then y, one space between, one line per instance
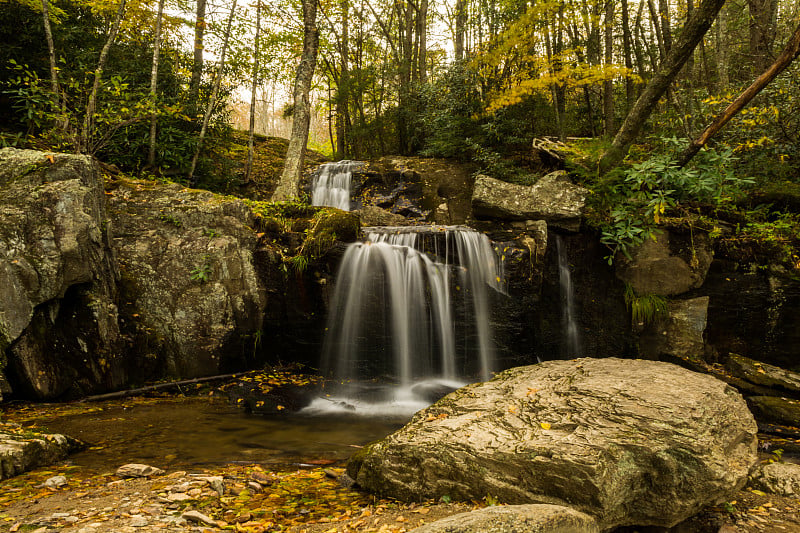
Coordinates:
91 105
197 64
662 53
288 187
422 34
461 22
248 173
666 25
788 55
722 51
694 30
151 154
627 54
608 85
213 99
51 49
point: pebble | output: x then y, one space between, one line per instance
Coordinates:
178 497
138 521
199 518
138 470
55 482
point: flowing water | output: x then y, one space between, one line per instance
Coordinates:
331 185
571 338
411 304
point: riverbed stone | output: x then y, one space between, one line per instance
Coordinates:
531 518
778 478
628 442
21 452
553 199
138 470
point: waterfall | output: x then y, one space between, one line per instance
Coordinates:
571 340
411 303
331 185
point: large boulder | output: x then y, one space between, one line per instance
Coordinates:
57 269
553 199
778 478
188 281
629 442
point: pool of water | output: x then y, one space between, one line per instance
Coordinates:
205 433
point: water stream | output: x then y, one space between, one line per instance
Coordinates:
331 185
571 338
411 306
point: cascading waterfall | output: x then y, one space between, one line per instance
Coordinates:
571 339
411 303
331 185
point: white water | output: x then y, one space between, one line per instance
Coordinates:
571 338
393 315
332 184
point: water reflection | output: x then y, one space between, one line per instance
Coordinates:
203 433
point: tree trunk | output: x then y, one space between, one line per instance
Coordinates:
694 30
762 32
197 64
422 34
288 187
722 51
248 173
343 89
627 54
51 49
784 60
91 105
608 85
151 154
213 99
461 23
666 26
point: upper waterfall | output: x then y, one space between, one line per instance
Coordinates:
331 184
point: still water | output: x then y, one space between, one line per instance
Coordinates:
204 433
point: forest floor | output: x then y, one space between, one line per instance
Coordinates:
259 498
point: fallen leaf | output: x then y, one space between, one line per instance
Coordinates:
545 425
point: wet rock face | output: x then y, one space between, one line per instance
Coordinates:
191 294
628 442
669 265
56 264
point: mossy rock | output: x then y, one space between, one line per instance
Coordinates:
329 226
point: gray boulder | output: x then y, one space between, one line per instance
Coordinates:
763 374
22 452
532 518
629 442
189 282
778 478
57 269
553 199
668 265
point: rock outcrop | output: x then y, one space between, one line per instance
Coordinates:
532 518
667 265
58 317
20 452
553 199
190 288
778 478
629 442
679 334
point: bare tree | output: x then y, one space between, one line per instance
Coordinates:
51 51
151 154
295 155
253 89
213 98
91 105
197 64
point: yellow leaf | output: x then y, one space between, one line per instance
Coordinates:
280 408
545 425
